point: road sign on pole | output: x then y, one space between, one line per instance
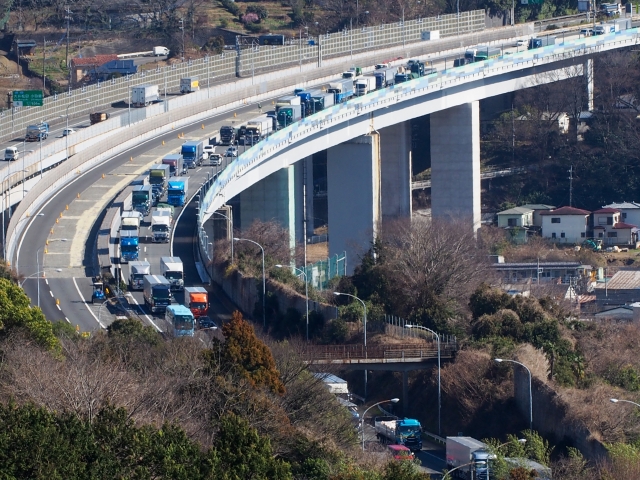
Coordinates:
27 98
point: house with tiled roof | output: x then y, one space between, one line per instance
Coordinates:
609 227
629 211
565 224
537 209
82 67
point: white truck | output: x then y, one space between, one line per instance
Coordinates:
143 95
258 129
160 225
471 453
160 51
189 85
130 220
137 270
365 85
173 270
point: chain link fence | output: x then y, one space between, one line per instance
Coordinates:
252 60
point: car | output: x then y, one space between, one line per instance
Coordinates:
206 322
586 32
521 43
215 159
209 149
68 131
231 152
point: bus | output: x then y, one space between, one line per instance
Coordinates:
181 318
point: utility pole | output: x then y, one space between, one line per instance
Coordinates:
571 186
44 61
182 28
68 12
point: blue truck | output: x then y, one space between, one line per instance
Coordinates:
406 431
177 191
129 245
141 198
306 100
192 153
342 90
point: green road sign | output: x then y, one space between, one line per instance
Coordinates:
27 98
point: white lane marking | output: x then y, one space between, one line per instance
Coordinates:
145 249
46 280
85 303
58 307
68 321
143 312
51 293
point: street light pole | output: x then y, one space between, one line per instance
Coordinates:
392 400
616 400
306 293
500 360
264 290
439 385
447 475
365 314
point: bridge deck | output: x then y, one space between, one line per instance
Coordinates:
354 354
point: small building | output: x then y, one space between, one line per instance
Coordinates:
608 227
621 289
83 68
114 67
515 217
624 312
537 209
23 47
629 211
565 224
547 272
336 385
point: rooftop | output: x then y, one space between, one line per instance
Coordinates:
607 210
538 206
93 61
622 205
516 211
566 211
622 226
623 280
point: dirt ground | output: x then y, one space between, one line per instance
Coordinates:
317 252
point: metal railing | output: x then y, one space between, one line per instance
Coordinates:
402 352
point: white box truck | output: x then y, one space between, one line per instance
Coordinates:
143 95
130 220
137 270
471 453
160 225
365 85
189 85
173 270
160 51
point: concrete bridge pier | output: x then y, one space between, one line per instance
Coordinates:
354 201
588 73
455 163
278 197
307 166
395 159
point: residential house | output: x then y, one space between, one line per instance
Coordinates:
515 217
629 212
621 289
85 67
546 272
565 224
608 227
537 209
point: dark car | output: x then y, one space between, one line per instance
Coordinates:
206 322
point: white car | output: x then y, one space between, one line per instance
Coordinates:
231 152
209 149
68 131
521 43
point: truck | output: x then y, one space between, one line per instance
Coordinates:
173 270
353 73
143 95
177 191
322 100
141 199
157 292
288 114
39 131
189 85
365 85
192 153
140 180
406 431
342 90
487 53
471 453
158 176
160 225
11 153
417 69
402 77
288 100
98 117
385 77
130 220
129 245
196 299
257 129
137 270
160 51
539 42
228 135
306 101
174 160
181 319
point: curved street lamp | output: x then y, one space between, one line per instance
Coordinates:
365 313
393 400
500 360
616 400
306 293
264 290
439 387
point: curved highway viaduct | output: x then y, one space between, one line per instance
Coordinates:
368 149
